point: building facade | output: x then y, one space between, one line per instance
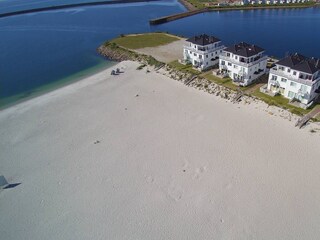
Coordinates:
243 63
296 77
202 51
270 2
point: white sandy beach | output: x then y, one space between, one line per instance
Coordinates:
140 156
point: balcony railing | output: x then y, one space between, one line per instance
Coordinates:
304 94
242 63
291 78
204 50
274 83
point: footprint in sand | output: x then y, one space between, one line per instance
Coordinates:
149 179
185 166
175 192
199 171
42 203
230 184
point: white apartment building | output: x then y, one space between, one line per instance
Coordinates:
296 77
202 51
243 63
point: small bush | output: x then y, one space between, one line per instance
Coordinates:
141 67
272 103
295 111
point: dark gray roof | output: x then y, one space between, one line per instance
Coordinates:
244 49
203 40
301 63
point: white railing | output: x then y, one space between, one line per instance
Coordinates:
243 64
303 93
209 50
274 82
289 76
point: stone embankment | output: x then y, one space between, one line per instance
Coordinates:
207 86
116 53
194 11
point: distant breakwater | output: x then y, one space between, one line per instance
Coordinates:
66 6
189 13
177 16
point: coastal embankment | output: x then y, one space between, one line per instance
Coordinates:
120 49
74 5
177 16
192 78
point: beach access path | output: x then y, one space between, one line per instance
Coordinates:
165 53
141 156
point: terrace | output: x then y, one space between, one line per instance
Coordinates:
244 62
301 79
203 50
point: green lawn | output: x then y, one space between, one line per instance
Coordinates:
317 117
277 100
144 40
226 82
196 3
183 68
280 102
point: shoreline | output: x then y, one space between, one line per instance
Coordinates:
53 86
64 90
200 84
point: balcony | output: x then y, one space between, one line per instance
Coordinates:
203 50
290 77
303 94
274 83
242 62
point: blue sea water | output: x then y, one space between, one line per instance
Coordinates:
279 31
45 50
42 48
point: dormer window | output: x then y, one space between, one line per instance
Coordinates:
288 70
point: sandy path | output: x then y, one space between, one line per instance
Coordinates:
166 53
171 163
